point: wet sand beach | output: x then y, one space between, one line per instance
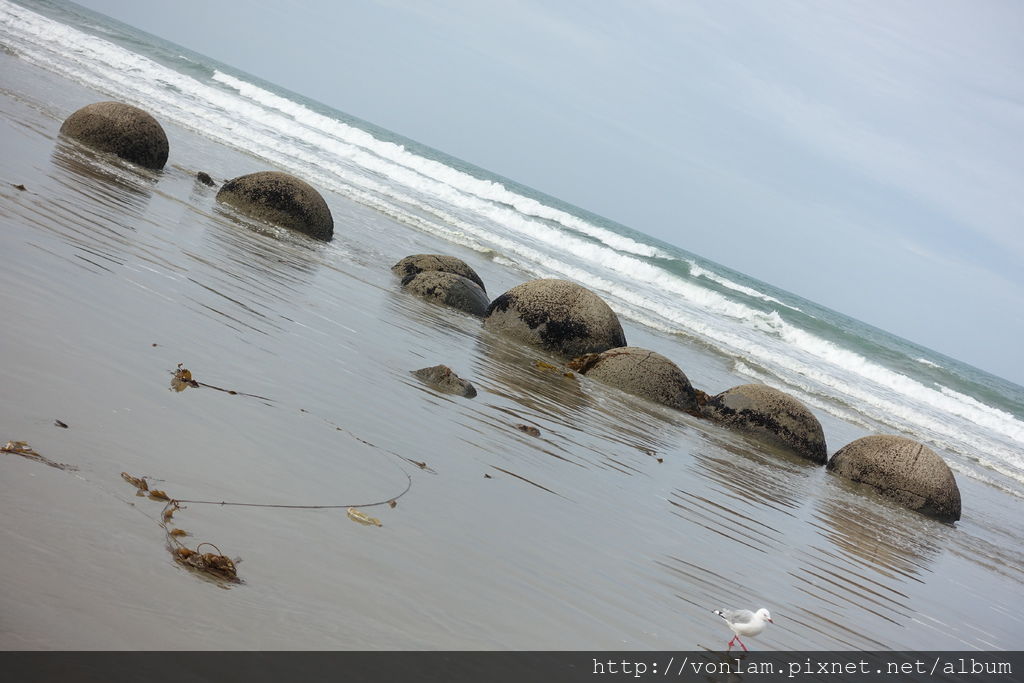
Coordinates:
621 526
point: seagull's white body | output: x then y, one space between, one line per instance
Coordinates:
743 622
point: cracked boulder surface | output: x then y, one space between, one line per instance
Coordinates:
772 416
902 470
280 199
120 129
640 372
558 316
418 263
447 289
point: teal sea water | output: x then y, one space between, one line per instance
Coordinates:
719 324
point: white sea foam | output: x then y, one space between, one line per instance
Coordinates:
698 271
434 170
925 361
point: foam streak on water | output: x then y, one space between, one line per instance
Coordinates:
833 363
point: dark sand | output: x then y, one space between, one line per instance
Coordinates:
620 527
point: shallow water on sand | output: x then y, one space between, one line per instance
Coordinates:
621 526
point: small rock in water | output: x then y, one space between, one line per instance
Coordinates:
20 187
62 425
205 178
443 378
528 429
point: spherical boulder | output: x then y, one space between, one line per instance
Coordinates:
417 263
281 199
448 289
772 416
120 129
902 470
640 372
558 316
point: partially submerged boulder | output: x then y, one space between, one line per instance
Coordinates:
417 263
448 289
772 416
902 470
443 378
120 129
640 372
281 199
558 316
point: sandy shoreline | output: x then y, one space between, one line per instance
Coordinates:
641 520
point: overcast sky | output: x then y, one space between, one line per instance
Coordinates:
866 155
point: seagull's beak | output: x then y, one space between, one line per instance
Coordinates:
770 620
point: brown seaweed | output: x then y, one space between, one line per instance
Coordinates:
24 450
217 565
359 516
213 565
584 363
182 379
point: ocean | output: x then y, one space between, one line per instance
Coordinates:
622 526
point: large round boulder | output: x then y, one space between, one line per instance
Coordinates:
281 199
902 470
417 263
640 372
122 130
448 289
772 416
558 316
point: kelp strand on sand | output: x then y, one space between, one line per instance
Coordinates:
182 380
218 566
418 463
387 501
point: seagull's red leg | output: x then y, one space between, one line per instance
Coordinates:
741 644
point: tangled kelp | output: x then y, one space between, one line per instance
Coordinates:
217 565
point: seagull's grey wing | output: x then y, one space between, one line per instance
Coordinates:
737 616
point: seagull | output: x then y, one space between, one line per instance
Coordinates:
743 622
